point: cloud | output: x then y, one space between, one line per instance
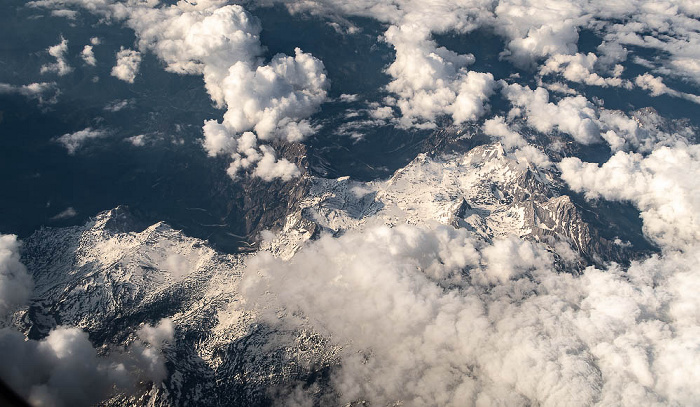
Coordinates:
498 127
348 98
88 55
512 140
540 41
587 123
247 154
573 115
663 185
581 68
534 31
222 43
128 62
431 81
61 66
38 91
119 105
74 141
138 140
69 14
274 97
218 140
432 316
673 31
642 131
428 81
66 214
270 168
65 369
15 283
158 335
656 87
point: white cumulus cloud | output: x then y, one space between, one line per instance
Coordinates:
431 81
88 55
512 140
127 67
61 66
582 68
74 141
656 87
573 115
664 185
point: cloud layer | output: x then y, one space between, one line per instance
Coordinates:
430 316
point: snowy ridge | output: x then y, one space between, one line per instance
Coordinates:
103 269
486 190
107 278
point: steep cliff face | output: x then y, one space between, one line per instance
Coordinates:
113 274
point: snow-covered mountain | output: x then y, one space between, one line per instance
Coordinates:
113 274
487 191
